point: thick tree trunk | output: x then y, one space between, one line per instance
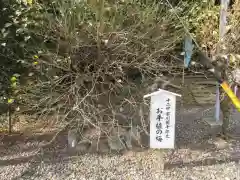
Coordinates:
225 106
226 110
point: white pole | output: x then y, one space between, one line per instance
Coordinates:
222 31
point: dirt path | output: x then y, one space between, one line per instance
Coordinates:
197 156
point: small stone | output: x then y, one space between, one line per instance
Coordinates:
121 109
72 138
220 144
213 176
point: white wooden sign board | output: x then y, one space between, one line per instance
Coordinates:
162 119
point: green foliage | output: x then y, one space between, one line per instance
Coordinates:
68 53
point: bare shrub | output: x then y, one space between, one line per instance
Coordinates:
91 62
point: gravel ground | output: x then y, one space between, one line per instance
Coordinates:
196 156
135 166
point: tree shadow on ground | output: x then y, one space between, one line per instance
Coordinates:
37 155
60 156
191 133
23 142
49 156
205 162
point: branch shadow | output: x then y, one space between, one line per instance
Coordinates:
16 161
33 160
205 162
186 137
19 139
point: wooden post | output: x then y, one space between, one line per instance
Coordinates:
9 119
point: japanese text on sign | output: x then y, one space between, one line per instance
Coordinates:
168 115
159 130
162 120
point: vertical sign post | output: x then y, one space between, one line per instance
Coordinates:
162 119
188 50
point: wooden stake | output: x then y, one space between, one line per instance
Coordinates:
9 119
